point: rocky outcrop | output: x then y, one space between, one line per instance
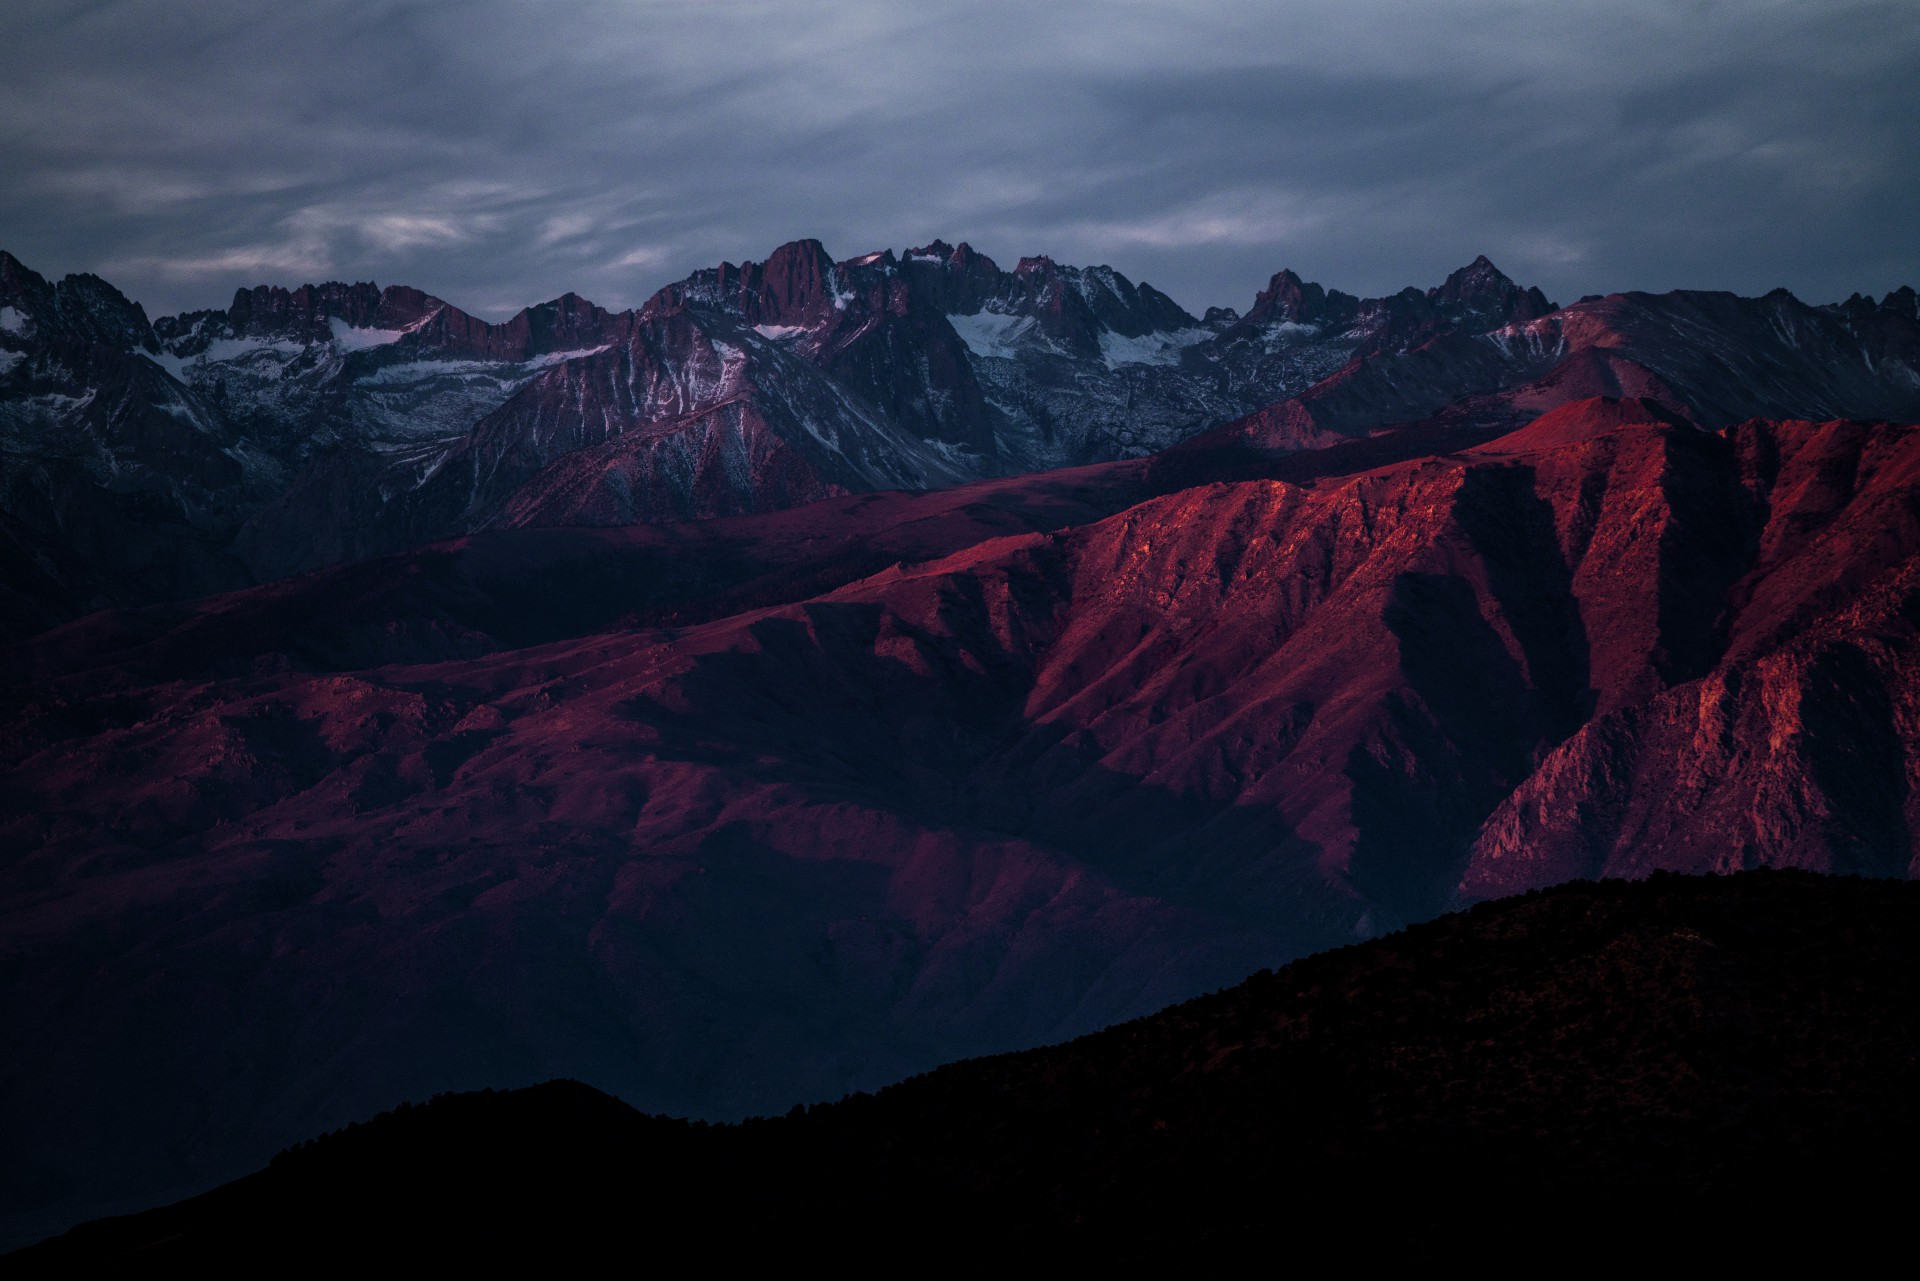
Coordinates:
1793 742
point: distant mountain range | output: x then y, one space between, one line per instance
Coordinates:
917 743
147 461
1655 1065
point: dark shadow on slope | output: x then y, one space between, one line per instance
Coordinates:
942 741
1443 755
1710 541
1206 460
1853 747
504 589
1512 528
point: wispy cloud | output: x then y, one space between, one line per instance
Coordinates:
248 262
641 257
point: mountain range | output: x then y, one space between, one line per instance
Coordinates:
833 669
210 450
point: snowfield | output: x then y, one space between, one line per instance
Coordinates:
990 334
1149 349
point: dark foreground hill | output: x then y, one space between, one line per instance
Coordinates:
1732 1058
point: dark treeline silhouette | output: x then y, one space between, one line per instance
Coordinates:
1732 1059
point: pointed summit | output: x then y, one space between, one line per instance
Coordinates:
22 288
91 307
1483 292
13 270
966 257
1478 279
1287 298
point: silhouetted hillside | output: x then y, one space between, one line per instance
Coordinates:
1621 1059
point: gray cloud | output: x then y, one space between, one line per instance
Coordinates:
500 153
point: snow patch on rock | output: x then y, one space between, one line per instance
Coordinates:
347 338
988 333
1149 349
221 351
506 373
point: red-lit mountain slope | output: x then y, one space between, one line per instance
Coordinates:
1010 794
1796 745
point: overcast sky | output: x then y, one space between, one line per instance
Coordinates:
501 153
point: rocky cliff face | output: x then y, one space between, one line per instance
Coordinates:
1786 735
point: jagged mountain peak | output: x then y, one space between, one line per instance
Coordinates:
1482 288
1477 298
796 279
797 284
307 313
1903 301
965 255
952 279
800 287
21 287
94 307
1478 279
1480 269
962 256
804 255
1289 299
81 305
567 308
